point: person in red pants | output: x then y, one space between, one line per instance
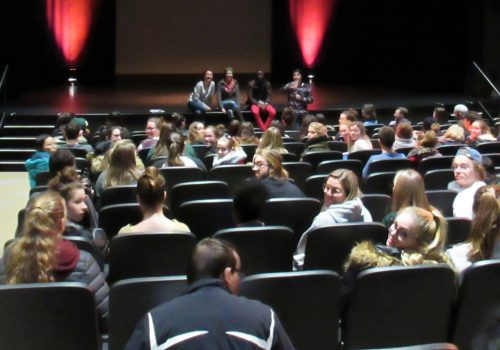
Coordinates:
259 98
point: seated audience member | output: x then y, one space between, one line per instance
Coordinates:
228 153
39 161
259 99
210 136
122 168
152 134
386 139
408 191
491 178
341 204
196 135
404 136
348 115
358 139
42 254
228 95
112 134
288 119
343 134
249 204
400 114
81 214
176 155
151 194
209 315
479 133
72 132
268 168
304 126
469 174
466 122
246 135
454 135
484 238
271 139
440 115
63 119
317 138
200 99
417 237
160 149
459 111
426 148
369 114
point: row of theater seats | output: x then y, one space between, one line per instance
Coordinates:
389 307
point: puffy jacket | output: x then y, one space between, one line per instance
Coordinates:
38 163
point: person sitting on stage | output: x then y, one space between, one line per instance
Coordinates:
259 99
228 95
200 98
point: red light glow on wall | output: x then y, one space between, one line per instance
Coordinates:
70 22
310 19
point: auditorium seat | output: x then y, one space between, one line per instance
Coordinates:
379 205
316 157
299 172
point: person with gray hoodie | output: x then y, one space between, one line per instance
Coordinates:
341 204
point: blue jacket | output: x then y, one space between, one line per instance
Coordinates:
208 316
38 163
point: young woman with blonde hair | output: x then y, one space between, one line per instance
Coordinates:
122 168
272 139
484 238
358 139
41 254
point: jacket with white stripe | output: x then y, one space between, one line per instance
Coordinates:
208 316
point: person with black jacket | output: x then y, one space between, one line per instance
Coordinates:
259 99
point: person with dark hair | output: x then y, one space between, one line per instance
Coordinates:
287 118
400 114
39 161
151 194
369 114
200 99
228 95
249 204
299 95
61 159
259 99
386 139
440 115
72 132
208 315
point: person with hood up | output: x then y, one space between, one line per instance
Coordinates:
341 204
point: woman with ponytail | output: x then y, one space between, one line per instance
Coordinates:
151 195
176 155
484 239
41 254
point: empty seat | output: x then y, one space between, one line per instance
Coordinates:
113 217
438 179
316 157
290 157
379 183
326 167
442 200
119 194
449 150
489 147
477 300
328 247
177 175
190 191
400 306
295 147
307 304
386 165
43 178
313 186
207 216
379 205
299 172
458 230
149 254
363 155
337 146
55 316
296 213
130 300
435 163
262 249
233 175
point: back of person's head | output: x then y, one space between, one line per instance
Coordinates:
63 119
60 159
427 124
429 140
404 130
32 255
247 130
351 114
485 229
249 201
72 131
220 130
151 188
122 164
278 125
403 112
275 161
271 138
409 190
210 258
308 119
349 182
178 120
65 182
430 229
440 115
386 136
287 116
234 127
176 149
369 112
455 132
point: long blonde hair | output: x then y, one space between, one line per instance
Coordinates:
122 164
431 229
409 190
485 224
271 139
362 134
32 255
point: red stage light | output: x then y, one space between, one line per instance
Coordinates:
70 22
310 19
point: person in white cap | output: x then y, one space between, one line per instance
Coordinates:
459 111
